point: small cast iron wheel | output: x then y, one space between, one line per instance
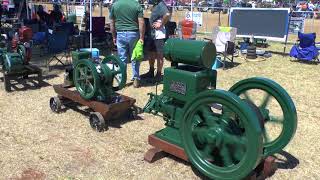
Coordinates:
40 79
134 111
97 122
86 79
6 80
220 135
119 71
55 104
277 108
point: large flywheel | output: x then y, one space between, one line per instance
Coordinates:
118 69
221 136
276 108
86 78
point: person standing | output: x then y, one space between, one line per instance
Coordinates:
127 27
159 17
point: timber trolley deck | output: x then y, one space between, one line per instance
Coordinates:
25 72
101 111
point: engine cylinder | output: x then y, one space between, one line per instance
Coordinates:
197 53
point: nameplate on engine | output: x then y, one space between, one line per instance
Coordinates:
178 87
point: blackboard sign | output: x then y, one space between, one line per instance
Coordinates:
267 23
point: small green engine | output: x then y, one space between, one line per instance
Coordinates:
95 79
225 134
13 62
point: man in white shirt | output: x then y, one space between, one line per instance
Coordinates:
159 17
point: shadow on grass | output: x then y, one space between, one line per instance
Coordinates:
115 122
314 62
289 161
30 83
230 65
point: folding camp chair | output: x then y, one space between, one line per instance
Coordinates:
99 34
224 40
307 49
39 40
57 44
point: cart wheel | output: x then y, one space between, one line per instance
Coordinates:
39 79
6 81
97 122
55 104
134 111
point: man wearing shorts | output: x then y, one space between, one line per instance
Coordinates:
159 17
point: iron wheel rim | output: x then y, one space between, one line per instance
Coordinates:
275 91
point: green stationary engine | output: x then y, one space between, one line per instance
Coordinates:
12 61
95 79
225 134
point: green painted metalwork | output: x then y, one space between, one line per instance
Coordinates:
86 79
272 90
98 80
197 53
184 82
219 131
14 62
118 71
221 144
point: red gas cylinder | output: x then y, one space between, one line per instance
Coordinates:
25 34
188 29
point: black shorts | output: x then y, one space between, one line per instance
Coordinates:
154 45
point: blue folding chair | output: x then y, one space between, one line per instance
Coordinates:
39 39
307 49
57 44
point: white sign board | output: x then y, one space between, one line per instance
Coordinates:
79 10
296 25
195 16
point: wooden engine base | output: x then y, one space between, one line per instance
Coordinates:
162 148
108 111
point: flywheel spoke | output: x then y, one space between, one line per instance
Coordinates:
207 117
276 120
207 152
197 119
247 97
90 87
85 71
265 101
82 73
233 139
117 79
226 156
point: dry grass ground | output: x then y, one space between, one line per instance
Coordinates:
63 146
36 142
